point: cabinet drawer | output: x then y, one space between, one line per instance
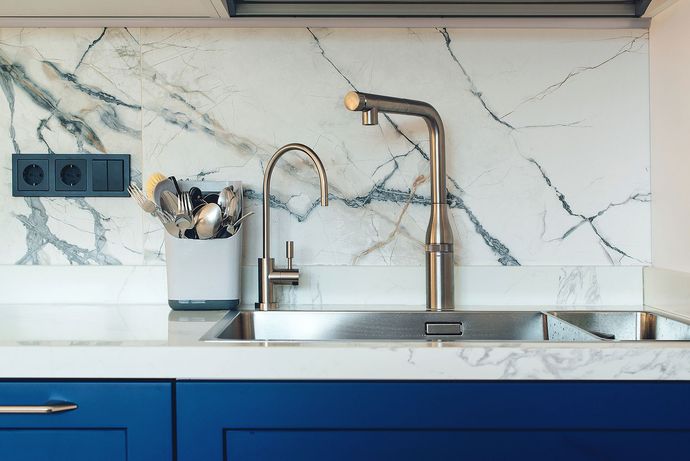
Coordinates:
85 421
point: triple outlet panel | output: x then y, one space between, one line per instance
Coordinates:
70 175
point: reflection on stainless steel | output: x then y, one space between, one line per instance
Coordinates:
269 275
439 235
393 326
628 326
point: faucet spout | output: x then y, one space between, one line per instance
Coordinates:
269 275
323 182
439 234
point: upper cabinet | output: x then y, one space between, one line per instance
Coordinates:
438 8
110 9
377 13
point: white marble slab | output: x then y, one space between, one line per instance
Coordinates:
342 286
69 91
547 136
667 289
548 150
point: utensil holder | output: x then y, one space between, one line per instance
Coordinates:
204 274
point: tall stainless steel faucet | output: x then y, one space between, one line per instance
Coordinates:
269 275
439 235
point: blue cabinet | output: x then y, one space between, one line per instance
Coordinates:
113 421
338 421
309 421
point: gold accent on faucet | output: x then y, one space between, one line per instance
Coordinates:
439 234
269 275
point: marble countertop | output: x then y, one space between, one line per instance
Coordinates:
151 341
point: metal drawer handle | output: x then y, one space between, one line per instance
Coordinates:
58 407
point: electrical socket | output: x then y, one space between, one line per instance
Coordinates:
32 174
70 175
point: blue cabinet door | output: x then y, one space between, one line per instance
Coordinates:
113 421
309 421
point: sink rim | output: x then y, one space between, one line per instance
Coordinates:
213 334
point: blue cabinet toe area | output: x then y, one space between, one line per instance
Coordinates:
309 421
113 421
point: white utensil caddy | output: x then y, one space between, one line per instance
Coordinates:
204 274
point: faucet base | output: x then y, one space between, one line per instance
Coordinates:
439 280
266 306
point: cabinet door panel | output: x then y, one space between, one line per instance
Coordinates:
134 418
347 445
241 421
63 445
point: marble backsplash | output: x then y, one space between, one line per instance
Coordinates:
547 139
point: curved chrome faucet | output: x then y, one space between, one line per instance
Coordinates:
269 275
439 234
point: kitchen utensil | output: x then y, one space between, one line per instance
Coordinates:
148 206
177 185
139 197
232 211
224 198
151 184
196 196
183 216
235 226
162 186
208 220
169 202
211 198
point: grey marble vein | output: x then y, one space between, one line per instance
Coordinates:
201 122
38 235
72 123
91 45
8 90
185 107
89 90
589 220
43 125
473 87
625 49
110 118
578 286
380 193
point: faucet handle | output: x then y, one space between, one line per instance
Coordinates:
289 253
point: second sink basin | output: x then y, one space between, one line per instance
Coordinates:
394 326
628 326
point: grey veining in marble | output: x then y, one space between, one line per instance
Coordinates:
65 97
548 152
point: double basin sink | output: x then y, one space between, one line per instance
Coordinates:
558 326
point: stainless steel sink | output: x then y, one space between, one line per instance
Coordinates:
394 326
628 326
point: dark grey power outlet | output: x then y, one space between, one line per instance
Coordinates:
70 175
31 174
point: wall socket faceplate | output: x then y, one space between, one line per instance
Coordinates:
70 175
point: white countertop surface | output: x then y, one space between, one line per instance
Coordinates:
151 341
